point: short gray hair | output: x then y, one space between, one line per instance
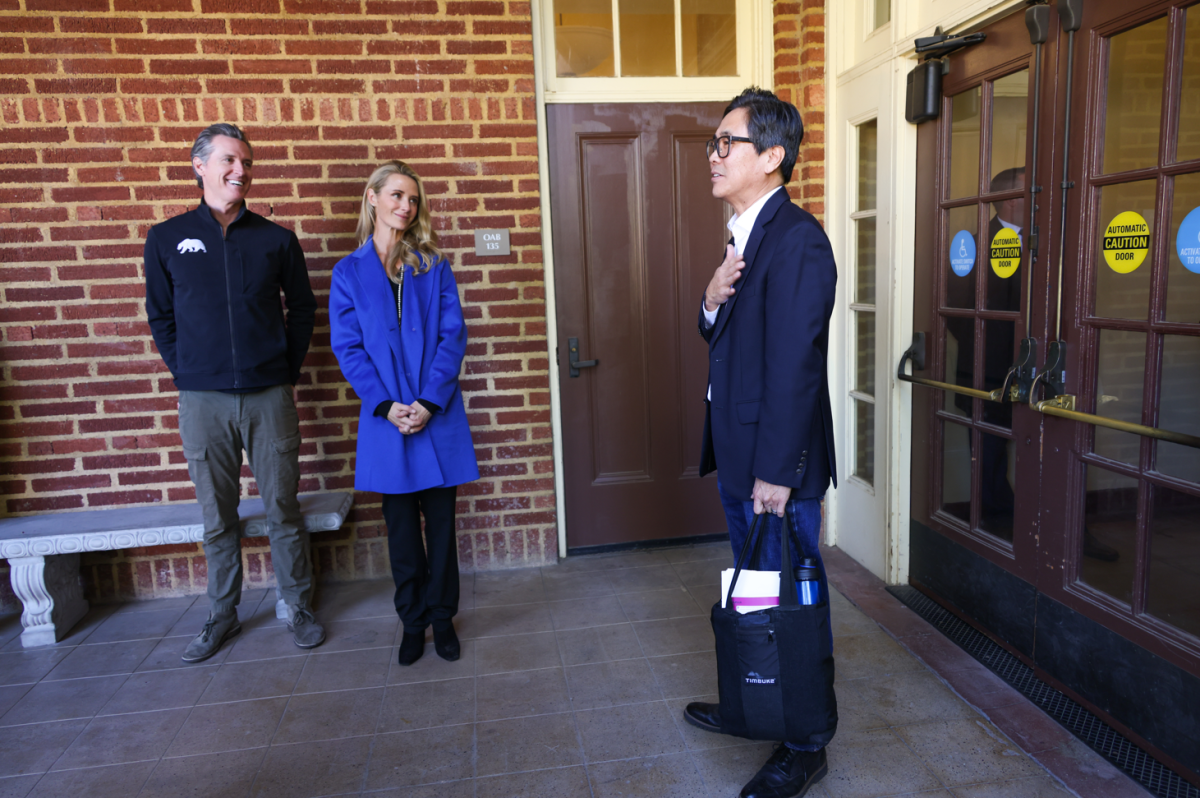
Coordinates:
203 146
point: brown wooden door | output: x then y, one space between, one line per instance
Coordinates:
637 235
1133 332
977 470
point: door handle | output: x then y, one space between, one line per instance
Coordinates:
573 357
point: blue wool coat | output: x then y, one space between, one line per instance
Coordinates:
420 361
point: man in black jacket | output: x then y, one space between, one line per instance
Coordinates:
213 281
769 427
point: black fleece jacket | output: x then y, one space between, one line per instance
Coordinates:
213 301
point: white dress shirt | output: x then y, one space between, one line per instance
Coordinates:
740 225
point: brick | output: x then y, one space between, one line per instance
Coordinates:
489 27
430 66
123 497
403 47
68 6
180 87
81 155
13 86
239 6
327 86
350 27
268 27
71 483
156 46
240 47
190 66
37 429
57 294
427 28
28 66
313 7
402 8
475 8
26 24
192 26
70 45
417 86
47 504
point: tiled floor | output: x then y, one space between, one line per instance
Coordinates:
571 683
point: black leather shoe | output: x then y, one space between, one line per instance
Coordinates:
787 774
703 716
412 646
445 641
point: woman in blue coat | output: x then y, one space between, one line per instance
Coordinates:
398 333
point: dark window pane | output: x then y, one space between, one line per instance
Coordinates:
864 441
864 271
1177 409
960 363
962 237
647 37
1121 374
709 30
1123 294
1175 560
997 457
999 354
1133 104
583 38
1188 147
868 164
1183 278
956 471
1010 106
964 143
1109 533
864 348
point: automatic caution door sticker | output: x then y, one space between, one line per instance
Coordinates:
1187 241
962 253
1006 252
1126 242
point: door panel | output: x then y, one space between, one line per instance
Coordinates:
1101 524
637 235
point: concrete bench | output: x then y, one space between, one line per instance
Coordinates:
43 550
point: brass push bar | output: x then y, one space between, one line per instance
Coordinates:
916 353
1062 406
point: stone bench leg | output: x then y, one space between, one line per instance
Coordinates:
51 593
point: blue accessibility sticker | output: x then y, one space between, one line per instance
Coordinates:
1187 241
962 253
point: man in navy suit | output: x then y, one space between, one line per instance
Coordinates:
765 316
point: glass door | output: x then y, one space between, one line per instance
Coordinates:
1130 503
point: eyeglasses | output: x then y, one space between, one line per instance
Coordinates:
721 144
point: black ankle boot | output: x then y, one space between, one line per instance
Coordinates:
445 641
412 646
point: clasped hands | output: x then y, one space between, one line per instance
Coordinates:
409 418
720 287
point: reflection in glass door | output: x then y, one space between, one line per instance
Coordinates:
983 218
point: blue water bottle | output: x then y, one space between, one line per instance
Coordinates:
808 581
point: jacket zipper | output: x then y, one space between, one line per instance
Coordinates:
229 305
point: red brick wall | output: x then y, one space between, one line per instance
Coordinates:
99 103
800 79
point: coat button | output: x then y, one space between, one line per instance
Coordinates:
803 454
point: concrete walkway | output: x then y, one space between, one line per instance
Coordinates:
571 683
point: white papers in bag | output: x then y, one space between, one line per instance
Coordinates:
755 590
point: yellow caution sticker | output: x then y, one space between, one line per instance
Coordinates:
1126 242
1006 252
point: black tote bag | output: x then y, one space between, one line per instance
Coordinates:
775 666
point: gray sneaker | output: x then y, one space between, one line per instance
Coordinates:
217 629
304 627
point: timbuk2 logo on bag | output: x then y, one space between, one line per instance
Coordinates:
754 678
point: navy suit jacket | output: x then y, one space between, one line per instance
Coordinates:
769 416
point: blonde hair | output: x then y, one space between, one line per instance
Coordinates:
418 246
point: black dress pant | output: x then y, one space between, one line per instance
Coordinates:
426 584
